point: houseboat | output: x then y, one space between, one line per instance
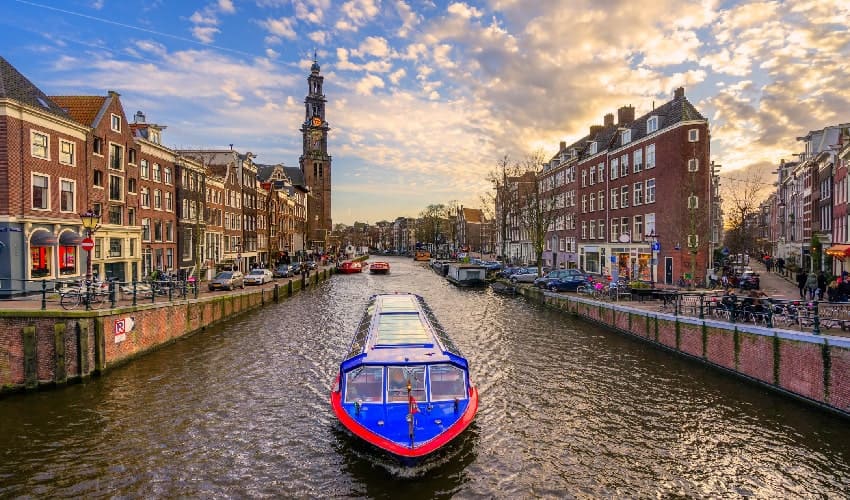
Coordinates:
462 274
403 386
422 255
379 267
350 267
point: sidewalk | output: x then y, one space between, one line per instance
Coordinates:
773 284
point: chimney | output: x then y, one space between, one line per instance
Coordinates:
595 129
563 146
679 93
625 115
139 117
608 120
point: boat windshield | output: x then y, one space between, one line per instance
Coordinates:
397 377
364 383
447 382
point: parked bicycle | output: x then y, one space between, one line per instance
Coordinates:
92 293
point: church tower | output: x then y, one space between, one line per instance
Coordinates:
315 162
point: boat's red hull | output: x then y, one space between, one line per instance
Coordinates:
400 450
379 268
350 267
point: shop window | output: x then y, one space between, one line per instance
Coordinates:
40 258
67 260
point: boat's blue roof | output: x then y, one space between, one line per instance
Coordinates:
400 329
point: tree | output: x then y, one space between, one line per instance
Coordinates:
741 200
499 204
428 228
535 209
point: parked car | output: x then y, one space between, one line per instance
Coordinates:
282 271
259 277
227 280
749 280
543 281
295 267
568 281
525 275
492 265
311 265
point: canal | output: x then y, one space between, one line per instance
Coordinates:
567 409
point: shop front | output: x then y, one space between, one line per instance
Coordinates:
632 263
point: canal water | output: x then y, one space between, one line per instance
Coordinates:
567 409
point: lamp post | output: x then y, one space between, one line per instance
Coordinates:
91 222
654 248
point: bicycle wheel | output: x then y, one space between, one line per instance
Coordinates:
70 300
98 299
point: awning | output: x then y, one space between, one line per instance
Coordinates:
70 239
840 251
43 239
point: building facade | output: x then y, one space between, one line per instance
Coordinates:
315 163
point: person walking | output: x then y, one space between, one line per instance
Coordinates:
801 283
811 285
821 284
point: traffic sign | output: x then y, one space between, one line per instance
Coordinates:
656 247
87 244
613 259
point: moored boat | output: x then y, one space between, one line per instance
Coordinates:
422 255
350 267
462 274
403 386
379 267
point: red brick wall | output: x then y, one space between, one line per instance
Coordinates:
12 348
755 357
720 347
690 339
839 387
801 368
667 332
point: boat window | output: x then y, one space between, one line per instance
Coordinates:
447 383
397 378
364 383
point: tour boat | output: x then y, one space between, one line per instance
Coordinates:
349 267
403 386
467 274
422 255
379 267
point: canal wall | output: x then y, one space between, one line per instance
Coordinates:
813 368
54 347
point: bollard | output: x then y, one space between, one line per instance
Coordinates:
197 287
676 301
154 291
816 319
170 292
276 293
734 309
134 293
87 295
701 300
43 295
185 290
112 294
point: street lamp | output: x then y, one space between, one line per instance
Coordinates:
91 222
654 237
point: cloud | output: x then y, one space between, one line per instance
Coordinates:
320 37
205 20
409 19
368 83
374 46
283 27
312 11
205 34
463 10
357 13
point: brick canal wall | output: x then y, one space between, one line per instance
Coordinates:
813 368
44 348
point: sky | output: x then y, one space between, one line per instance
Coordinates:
425 98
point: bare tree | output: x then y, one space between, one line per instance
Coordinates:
500 203
741 200
536 210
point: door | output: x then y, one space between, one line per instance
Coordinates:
668 270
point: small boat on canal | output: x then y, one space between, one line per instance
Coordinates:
350 267
403 386
379 267
467 275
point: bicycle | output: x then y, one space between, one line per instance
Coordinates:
93 294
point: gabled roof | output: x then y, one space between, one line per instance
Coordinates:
296 175
15 86
82 108
473 215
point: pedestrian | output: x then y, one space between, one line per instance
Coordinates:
811 285
821 284
801 283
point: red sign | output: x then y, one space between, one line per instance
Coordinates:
87 244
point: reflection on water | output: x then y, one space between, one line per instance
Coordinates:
566 409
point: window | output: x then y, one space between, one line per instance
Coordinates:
169 234
637 235
399 377
166 175
693 165
693 135
115 215
614 228
651 124
601 168
584 203
66 195
145 197
601 234
98 248
116 157
97 146
650 190
157 172
98 178
146 229
40 192
593 147
115 123
157 230
693 240
592 176
66 152
131 217
592 202
169 203
131 184
601 198
40 259
365 384
650 224
144 170
155 136
67 260
615 169
583 178
650 156
624 197
583 230
637 194
624 225
114 247
626 137
593 230
615 196
624 165
157 199
638 160
40 145
693 202
116 191
131 156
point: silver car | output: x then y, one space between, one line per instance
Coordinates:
227 280
258 277
526 275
